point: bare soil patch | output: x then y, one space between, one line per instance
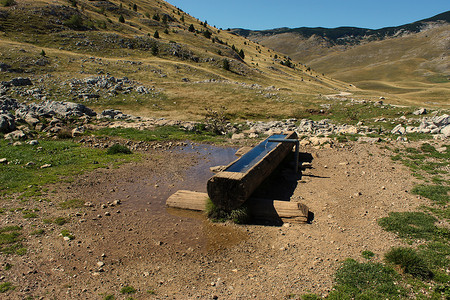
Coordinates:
181 255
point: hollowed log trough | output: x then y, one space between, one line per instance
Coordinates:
230 188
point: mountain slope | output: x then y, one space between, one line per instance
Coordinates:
410 61
157 44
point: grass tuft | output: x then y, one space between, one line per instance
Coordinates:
128 290
410 261
216 214
6 286
118 149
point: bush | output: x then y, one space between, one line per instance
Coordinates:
156 34
121 19
75 22
410 261
7 3
226 64
128 290
117 148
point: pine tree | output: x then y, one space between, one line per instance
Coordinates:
155 49
121 19
135 7
156 35
242 54
191 28
182 18
226 64
43 53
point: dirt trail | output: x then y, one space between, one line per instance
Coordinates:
180 255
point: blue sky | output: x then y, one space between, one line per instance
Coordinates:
269 14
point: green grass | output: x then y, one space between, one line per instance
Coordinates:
414 226
118 149
72 203
438 193
66 233
410 261
128 290
61 221
367 254
10 240
6 286
239 215
368 280
162 133
67 159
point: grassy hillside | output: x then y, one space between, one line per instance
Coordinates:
410 61
53 42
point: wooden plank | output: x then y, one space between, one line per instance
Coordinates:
188 200
258 208
242 151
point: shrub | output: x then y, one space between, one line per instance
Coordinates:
43 53
191 28
75 22
6 3
410 261
128 290
156 34
60 221
226 64
367 254
155 50
117 148
121 19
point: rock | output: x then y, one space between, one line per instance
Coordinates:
440 121
316 141
100 264
15 135
78 131
238 136
20 81
446 131
399 129
420 111
46 166
116 202
217 169
33 142
31 120
369 140
3 161
7 123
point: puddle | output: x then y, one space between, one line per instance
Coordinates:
147 197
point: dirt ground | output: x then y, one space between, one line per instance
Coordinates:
172 254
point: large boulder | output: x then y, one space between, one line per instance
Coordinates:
8 104
20 81
7 123
56 108
446 131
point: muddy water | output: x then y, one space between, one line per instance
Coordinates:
148 196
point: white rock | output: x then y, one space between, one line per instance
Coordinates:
446 131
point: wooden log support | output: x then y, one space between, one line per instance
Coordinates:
266 209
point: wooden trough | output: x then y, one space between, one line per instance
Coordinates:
230 188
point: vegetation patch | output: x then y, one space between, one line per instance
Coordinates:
437 193
6 286
72 203
128 290
239 215
413 225
368 280
118 149
10 240
65 158
410 261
